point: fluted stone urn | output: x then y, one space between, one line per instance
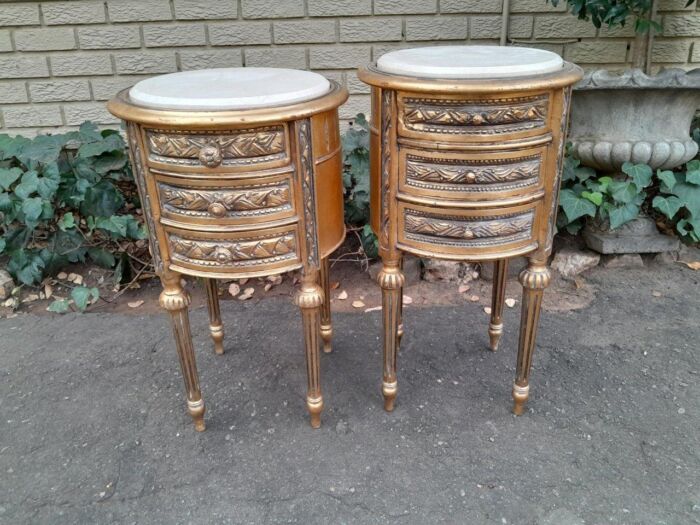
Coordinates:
632 117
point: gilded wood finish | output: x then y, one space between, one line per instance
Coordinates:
467 170
237 194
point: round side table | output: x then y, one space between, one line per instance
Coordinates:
466 156
239 174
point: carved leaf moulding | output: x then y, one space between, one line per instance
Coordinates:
472 175
475 116
468 231
239 252
236 146
309 191
243 202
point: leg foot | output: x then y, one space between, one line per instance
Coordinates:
176 301
326 327
500 272
216 327
309 299
391 280
534 279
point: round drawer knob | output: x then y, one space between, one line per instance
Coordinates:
471 177
210 155
217 209
468 234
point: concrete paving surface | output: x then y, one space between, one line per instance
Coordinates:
93 427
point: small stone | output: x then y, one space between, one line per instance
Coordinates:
626 260
343 295
407 300
135 304
234 289
570 262
358 304
487 309
6 284
275 279
656 293
63 276
31 298
510 302
373 309
474 298
463 288
681 411
268 287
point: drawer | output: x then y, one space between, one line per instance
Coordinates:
233 253
467 234
478 177
481 119
240 201
266 146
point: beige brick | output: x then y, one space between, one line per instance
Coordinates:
675 5
376 29
596 52
145 63
290 57
205 9
554 48
519 26
272 8
5 41
339 57
304 31
695 56
240 33
671 51
436 28
471 6
139 10
681 25
535 6
626 31
402 7
74 64
93 111
19 14
206 59
381 49
108 37
31 116
105 88
167 35
355 85
13 93
355 104
45 39
564 26
336 76
72 13
339 7
18 66
59 90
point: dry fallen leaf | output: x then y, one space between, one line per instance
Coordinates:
244 296
72 276
234 289
579 282
695 265
31 298
407 299
63 276
656 293
249 291
268 286
358 304
343 295
335 285
242 281
474 298
135 304
275 279
510 302
48 291
487 309
463 288
373 309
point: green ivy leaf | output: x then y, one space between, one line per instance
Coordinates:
101 200
692 173
102 257
59 306
668 178
575 206
82 296
623 191
3 244
116 224
690 195
595 197
26 266
669 206
66 221
28 185
43 149
108 144
620 215
8 176
32 208
640 173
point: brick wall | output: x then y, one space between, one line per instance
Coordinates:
61 60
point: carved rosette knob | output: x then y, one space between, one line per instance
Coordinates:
468 234
217 209
210 155
471 177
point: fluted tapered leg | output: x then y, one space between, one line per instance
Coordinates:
500 272
216 327
391 280
399 331
326 327
534 279
176 301
310 300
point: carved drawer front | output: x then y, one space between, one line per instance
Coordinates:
453 119
213 149
474 177
458 232
236 202
228 253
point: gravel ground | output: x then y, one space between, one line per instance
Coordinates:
93 427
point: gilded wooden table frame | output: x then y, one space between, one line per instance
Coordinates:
467 170
241 194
